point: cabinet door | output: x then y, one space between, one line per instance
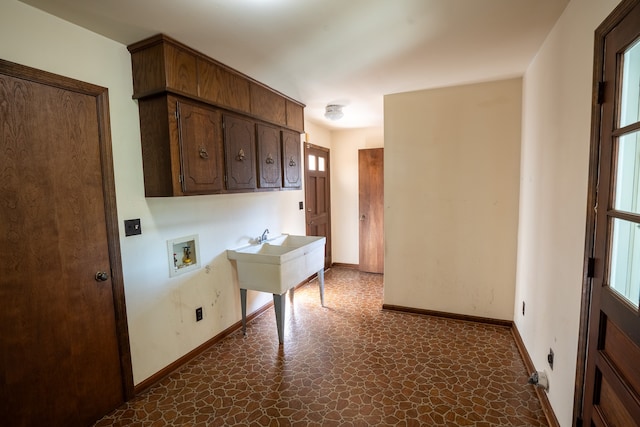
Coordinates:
200 137
269 171
291 159
180 69
239 146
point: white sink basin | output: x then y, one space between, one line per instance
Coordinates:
277 265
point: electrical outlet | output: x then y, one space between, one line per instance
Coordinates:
300 205
550 358
198 314
523 308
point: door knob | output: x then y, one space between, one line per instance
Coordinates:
362 217
101 276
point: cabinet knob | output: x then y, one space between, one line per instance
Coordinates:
240 157
101 276
203 153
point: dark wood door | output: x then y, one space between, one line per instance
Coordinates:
318 195
239 147
269 158
612 378
201 148
371 203
292 176
64 356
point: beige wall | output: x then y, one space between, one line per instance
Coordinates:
161 310
451 198
554 169
317 134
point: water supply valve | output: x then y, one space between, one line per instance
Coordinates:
539 379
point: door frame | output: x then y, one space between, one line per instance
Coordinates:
616 16
101 96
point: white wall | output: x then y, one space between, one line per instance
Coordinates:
553 195
161 311
451 198
344 189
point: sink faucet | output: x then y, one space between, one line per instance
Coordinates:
263 237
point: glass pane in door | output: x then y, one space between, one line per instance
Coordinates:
627 195
624 268
630 94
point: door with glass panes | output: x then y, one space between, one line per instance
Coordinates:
318 195
612 374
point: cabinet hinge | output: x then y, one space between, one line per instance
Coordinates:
225 178
600 94
177 113
591 266
180 178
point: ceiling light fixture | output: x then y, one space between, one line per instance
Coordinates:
333 112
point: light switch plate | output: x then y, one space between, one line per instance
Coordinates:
132 227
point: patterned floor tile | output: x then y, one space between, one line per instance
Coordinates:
347 364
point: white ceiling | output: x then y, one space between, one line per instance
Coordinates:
350 52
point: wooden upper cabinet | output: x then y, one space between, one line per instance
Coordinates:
269 158
239 147
161 64
201 149
291 168
207 128
182 147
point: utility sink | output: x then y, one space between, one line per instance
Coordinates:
277 265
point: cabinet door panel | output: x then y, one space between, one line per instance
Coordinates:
269 171
180 69
268 105
222 87
239 146
200 132
295 116
291 159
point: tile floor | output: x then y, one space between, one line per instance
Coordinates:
349 364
